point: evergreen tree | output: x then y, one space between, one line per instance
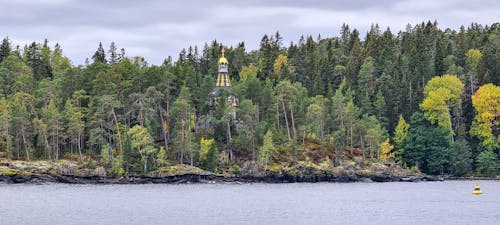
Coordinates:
5 49
487 163
113 55
100 55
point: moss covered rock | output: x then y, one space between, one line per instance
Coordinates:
178 170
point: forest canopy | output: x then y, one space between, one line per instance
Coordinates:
424 97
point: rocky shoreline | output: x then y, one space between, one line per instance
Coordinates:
196 178
71 173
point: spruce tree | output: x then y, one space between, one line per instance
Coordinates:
99 56
5 49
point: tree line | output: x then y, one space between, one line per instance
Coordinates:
423 97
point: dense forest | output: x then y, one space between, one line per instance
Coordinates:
425 98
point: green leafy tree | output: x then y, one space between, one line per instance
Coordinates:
473 56
208 154
267 150
317 114
427 146
248 71
375 135
16 76
52 122
5 117
23 112
400 137
183 113
247 133
351 118
487 163
106 156
161 157
74 126
460 158
141 140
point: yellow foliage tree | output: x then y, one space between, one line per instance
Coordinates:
441 95
282 69
208 154
473 56
248 71
386 153
486 101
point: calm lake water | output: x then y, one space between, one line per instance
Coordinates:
449 202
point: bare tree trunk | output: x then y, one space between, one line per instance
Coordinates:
47 146
17 146
79 145
451 128
167 134
182 141
370 145
293 121
321 129
341 117
278 115
229 140
286 120
145 165
118 131
362 144
190 151
378 153
57 142
24 144
164 129
350 133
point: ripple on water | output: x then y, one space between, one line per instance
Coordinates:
449 202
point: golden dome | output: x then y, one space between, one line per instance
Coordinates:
223 59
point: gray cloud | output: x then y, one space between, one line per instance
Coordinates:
155 29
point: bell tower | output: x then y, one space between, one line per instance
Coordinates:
223 82
223 76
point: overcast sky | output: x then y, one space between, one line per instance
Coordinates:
155 29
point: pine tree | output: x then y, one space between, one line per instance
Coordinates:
5 49
113 55
100 55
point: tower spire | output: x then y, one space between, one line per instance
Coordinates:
223 75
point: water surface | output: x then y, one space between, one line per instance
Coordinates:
449 202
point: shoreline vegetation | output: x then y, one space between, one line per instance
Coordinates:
404 105
70 172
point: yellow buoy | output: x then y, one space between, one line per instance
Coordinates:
477 190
